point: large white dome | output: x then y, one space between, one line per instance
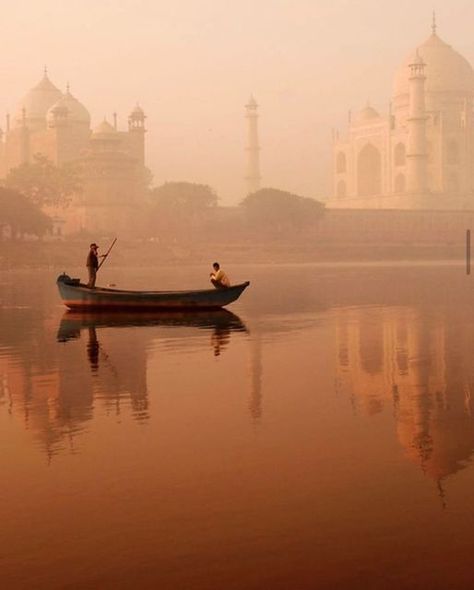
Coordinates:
446 70
38 100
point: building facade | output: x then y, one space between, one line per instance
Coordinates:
420 153
111 162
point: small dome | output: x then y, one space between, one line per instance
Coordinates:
446 69
105 131
367 114
75 110
138 113
38 100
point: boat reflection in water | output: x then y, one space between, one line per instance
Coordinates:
221 322
61 403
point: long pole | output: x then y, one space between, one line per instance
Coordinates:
468 252
106 254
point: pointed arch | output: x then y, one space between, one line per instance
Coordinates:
400 183
369 171
452 152
399 155
341 189
341 163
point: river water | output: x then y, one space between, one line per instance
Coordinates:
317 435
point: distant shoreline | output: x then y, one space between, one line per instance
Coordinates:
65 254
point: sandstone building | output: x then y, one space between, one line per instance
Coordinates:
57 125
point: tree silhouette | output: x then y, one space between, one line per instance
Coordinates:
21 216
185 197
43 183
176 206
277 210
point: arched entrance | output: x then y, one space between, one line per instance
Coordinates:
341 163
369 171
399 183
341 191
399 155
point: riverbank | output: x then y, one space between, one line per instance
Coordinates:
61 254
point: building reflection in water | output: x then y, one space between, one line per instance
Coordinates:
256 371
418 363
56 384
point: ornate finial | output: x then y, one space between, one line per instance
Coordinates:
434 26
252 103
45 71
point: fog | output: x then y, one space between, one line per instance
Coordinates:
192 66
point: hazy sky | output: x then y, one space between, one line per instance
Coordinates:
193 64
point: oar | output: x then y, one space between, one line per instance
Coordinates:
106 254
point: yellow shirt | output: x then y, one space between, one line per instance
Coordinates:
221 277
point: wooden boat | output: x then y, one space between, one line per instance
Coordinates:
76 295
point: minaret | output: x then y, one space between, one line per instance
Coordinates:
253 149
416 152
136 133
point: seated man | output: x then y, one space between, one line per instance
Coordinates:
218 278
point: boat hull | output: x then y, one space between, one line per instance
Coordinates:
75 295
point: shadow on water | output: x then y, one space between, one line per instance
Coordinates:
221 321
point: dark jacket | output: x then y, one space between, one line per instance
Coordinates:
92 260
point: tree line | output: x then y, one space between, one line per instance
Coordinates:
168 211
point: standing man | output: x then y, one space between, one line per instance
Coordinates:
218 278
93 264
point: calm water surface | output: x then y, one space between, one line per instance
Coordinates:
319 435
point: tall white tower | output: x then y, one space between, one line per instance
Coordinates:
417 157
253 149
